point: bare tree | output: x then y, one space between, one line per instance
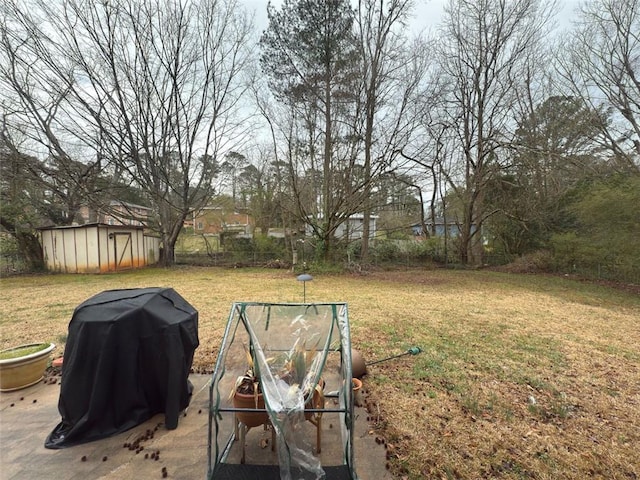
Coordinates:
386 65
67 170
152 86
484 45
601 65
280 138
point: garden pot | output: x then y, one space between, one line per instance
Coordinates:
250 419
23 366
357 384
358 365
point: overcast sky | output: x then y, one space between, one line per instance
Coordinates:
427 15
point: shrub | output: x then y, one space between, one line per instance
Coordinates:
384 250
537 262
270 247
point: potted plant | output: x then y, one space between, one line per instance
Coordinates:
291 368
298 361
247 394
23 366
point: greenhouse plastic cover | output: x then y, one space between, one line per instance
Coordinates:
289 347
127 357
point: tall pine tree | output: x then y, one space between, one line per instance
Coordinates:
309 55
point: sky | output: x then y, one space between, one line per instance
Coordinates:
427 13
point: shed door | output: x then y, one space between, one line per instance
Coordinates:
123 247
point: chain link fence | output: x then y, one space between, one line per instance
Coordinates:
386 254
398 254
12 264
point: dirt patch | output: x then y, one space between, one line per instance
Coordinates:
410 277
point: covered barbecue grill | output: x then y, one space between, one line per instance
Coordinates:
127 358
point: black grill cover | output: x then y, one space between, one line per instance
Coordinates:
127 357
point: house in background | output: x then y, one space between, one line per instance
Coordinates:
215 221
352 228
117 213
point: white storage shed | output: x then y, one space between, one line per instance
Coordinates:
98 248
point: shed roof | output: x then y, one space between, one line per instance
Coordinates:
95 224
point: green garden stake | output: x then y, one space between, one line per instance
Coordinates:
411 351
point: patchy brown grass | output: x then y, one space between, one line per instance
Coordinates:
520 376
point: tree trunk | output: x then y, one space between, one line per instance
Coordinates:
167 254
169 237
465 238
327 219
31 250
364 252
28 244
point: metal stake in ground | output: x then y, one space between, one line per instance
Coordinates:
304 278
411 351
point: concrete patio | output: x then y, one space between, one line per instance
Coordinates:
27 416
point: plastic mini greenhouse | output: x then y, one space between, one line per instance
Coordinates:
293 362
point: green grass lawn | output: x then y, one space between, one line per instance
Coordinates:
520 376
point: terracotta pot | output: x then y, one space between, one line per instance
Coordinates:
358 365
24 371
357 384
250 419
255 419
